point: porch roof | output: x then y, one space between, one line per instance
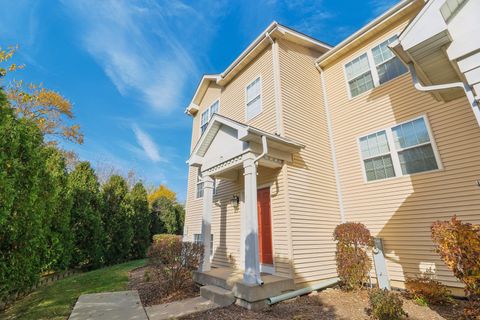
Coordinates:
246 138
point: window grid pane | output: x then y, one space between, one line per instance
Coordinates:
361 84
390 70
417 159
379 168
374 144
357 66
410 134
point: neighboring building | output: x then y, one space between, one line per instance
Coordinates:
339 134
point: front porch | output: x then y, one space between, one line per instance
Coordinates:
250 296
241 155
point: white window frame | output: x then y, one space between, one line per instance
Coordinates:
259 77
209 114
197 239
198 182
394 151
373 68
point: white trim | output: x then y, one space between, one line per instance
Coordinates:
394 150
277 88
259 77
332 146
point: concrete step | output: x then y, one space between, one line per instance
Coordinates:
217 295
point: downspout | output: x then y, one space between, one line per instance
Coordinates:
332 145
300 292
466 88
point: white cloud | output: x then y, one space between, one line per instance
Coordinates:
143 46
147 144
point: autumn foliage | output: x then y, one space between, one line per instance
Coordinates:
458 244
353 262
173 261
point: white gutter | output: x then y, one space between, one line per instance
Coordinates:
332 145
466 88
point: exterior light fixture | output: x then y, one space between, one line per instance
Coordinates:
235 201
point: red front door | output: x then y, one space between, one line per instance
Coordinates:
264 226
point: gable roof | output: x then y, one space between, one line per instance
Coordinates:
245 133
273 31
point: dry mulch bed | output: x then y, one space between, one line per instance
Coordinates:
151 292
329 304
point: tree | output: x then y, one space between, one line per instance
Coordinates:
86 219
140 220
51 111
116 215
47 108
162 192
167 216
58 205
22 234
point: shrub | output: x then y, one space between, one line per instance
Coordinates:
386 305
116 214
353 263
459 247
173 261
164 236
85 217
140 221
426 289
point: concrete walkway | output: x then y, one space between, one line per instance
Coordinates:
179 308
122 305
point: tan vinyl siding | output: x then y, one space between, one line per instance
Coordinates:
401 210
226 226
312 198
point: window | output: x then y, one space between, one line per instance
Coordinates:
200 185
197 238
208 114
358 75
361 76
253 99
388 65
401 150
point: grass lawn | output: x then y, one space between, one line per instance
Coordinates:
56 301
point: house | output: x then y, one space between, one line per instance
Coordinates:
296 137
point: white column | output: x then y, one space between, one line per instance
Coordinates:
250 223
207 221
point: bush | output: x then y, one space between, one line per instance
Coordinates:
165 236
116 215
140 221
459 247
173 261
425 288
86 220
386 305
353 263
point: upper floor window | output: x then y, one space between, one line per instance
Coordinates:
400 150
200 184
253 99
208 114
373 68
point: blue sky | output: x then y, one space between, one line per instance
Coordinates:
131 67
